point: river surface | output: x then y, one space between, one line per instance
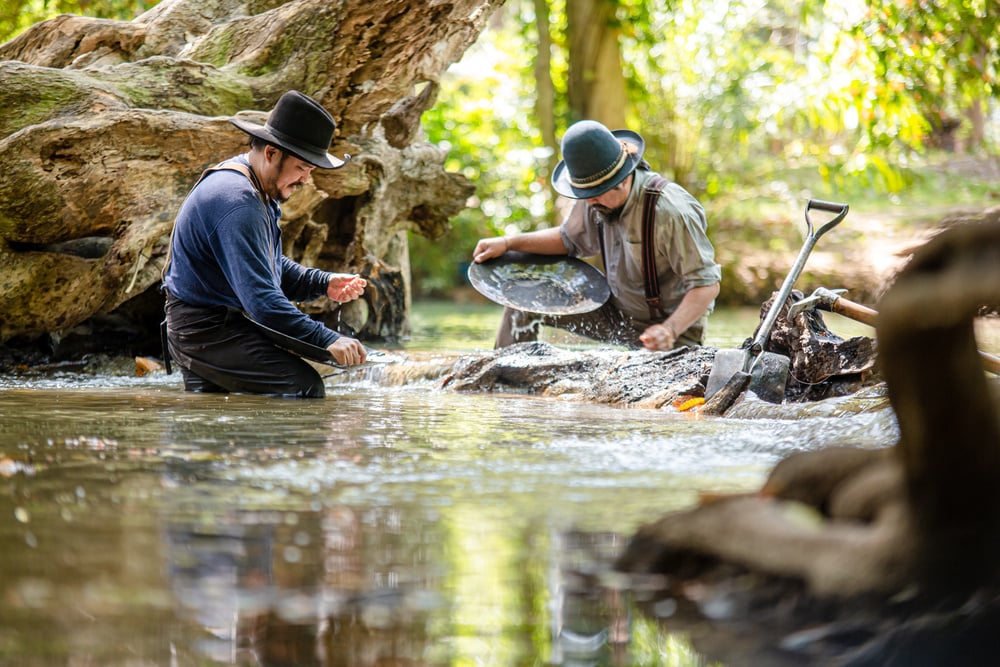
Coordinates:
141 525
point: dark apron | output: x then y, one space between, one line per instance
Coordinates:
219 350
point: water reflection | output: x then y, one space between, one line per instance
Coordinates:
591 621
272 588
305 588
143 525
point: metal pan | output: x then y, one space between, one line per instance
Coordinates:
313 352
547 284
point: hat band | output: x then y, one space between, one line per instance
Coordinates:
602 176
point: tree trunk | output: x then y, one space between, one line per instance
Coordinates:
545 92
596 84
951 459
109 124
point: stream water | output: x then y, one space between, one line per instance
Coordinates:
140 525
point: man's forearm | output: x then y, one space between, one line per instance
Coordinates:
543 242
692 306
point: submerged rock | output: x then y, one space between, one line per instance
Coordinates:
610 376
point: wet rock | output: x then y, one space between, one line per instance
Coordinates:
822 363
610 376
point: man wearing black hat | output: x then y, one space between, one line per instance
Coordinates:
660 264
226 260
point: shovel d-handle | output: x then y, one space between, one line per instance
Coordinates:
830 207
812 236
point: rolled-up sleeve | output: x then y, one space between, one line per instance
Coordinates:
580 238
683 239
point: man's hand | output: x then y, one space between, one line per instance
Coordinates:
490 248
659 337
348 351
542 241
345 287
694 304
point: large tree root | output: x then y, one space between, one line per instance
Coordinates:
787 530
909 533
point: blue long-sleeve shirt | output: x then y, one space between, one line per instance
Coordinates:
226 251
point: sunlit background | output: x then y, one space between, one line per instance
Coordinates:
145 526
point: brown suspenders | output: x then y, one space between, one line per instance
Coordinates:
651 281
650 277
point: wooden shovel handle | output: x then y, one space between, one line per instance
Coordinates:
855 311
990 362
866 315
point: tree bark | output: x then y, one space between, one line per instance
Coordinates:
596 85
909 531
545 93
949 434
111 123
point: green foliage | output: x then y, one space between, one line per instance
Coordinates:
16 16
485 119
738 100
943 51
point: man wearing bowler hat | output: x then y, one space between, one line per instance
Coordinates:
659 301
225 260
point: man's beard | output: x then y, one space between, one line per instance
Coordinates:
275 192
607 212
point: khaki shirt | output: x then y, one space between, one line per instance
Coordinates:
685 258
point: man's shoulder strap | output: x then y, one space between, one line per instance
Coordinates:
233 165
651 278
225 165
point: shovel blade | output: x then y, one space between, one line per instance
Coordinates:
767 379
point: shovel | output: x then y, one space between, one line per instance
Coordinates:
765 373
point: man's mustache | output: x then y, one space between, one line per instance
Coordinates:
606 210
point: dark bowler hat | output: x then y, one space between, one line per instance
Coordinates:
595 159
299 125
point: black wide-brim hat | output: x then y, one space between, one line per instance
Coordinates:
299 125
595 159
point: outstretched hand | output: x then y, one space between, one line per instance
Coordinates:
346 287
490 248
348 351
